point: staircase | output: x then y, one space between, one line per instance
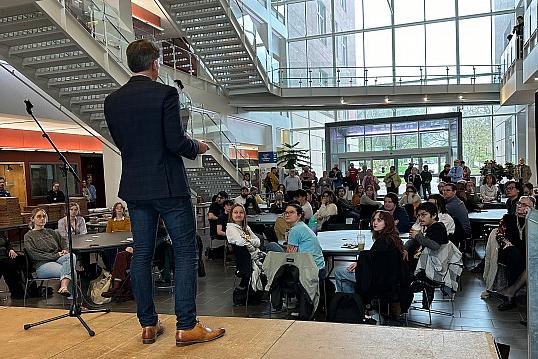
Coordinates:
225 39
62 52
211 179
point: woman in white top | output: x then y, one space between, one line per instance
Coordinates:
410 197
444 217
489 189
78 224
327 209
246 181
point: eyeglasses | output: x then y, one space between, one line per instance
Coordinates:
522 204
289 213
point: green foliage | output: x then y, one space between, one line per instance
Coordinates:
290 157
498 170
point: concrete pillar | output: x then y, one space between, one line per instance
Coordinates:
112 174
530 154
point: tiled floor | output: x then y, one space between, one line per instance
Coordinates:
471 313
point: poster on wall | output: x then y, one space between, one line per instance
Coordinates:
266 160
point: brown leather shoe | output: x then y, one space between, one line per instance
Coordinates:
199 334
150 334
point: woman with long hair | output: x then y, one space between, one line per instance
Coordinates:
78 224
48 251
489 190
385 236
327 209
119 221
369 197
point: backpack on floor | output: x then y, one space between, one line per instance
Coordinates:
346 308
98 286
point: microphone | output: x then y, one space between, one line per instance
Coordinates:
28 106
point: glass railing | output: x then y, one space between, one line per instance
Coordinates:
347 76
513 52
103 22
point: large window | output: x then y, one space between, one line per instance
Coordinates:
322 19
43 175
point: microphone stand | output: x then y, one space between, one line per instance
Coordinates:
75 309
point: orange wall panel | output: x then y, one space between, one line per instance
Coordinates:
146 15
13 139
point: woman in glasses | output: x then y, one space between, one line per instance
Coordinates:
48 251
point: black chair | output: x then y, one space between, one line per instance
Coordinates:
31 277
366 212
410 209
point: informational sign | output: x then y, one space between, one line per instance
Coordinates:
267 157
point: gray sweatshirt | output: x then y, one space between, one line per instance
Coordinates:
43 245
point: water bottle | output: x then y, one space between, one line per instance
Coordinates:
313 224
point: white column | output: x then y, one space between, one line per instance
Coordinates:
112 174
530 155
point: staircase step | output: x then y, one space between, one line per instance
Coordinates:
92 109
88 90
48 61
200 14
203 29
236 75
87 100
192 5
72 70
216 37
245 85
240 80
42 49
79 80
209 44
225 62
23 21
204 21
227 56
33 35
221 50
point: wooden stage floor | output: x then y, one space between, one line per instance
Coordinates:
118 336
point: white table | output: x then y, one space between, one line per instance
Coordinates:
331 244
487 215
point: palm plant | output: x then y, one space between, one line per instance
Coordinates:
290 157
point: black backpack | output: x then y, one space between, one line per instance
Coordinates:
346 308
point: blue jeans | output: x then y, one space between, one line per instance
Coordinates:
58 269
345 281
178 216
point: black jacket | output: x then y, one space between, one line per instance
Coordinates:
286 280
143 119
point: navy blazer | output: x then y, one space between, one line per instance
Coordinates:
143 119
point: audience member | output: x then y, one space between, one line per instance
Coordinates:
313 200
528 189
426 177
385 237
433 236
401 219
392 180
440 186
357 195
523 172
86 192
489 190
300 196
442 214
251 206
456 208
271 181
307 178
216 208
408 172
324 180
78 224
466 171
456 172
9 270
48 251
472 197
55 195
347 183
346 209
278 206
292 183
301 238
369 197
327 209
223 219
119 222
362 174
415 179
254 193
92 202
353 174
246 181
283 189
371 180
512 191
443 175
164 255
335 176
3 191
242 198
410 196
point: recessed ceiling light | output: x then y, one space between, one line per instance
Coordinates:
425 98
387 99
536 79
460 97
342 100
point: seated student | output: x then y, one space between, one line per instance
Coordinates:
278 206
9 270
223 219
251 206
344 206
301 238
312 198
327 209
369 197
242 198
401 219
528 189
385 236
513 191
216 208
119 222
48 251
238 233
456 208
465 196
164 254
78 224
356 199
283 189
410 197
254 193
489 189
301 197
442 214
55 195
432 236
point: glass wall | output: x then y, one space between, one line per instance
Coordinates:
423 42
485 129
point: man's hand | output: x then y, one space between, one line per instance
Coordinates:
351 267
413 233
202 147
129 249
12 254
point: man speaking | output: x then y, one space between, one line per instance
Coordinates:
143 119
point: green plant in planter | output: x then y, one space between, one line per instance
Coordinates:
509 170
290 157
493 168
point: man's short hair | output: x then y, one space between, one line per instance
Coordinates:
228 202
140 54
2 178
452 186
393 198
223 194
244 188
300 193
